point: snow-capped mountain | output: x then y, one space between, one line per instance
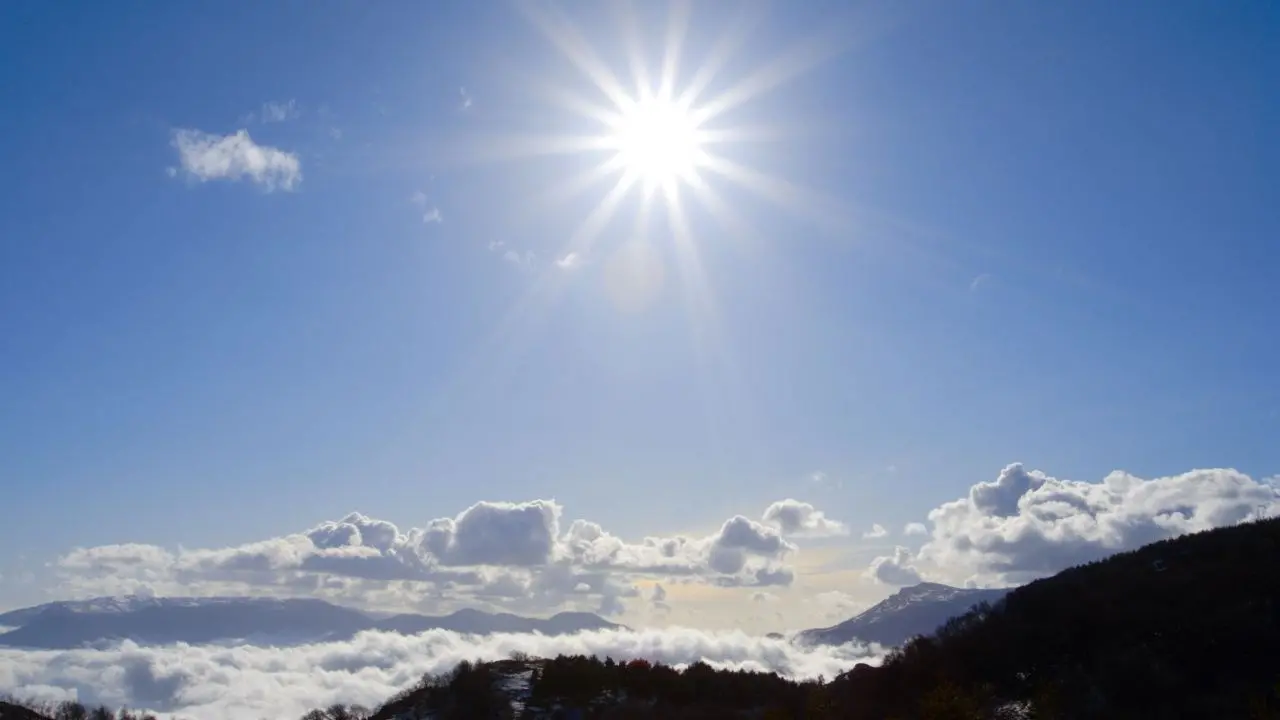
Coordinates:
262 621
916 610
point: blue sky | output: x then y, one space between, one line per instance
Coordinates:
1038 233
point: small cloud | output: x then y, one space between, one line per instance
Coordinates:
430 213
819 477
761 596
877 531
495 245
465 96
978 281
915 528
275 112
570 261
205 156
516 258
335 133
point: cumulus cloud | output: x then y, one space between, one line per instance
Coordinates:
836 605
230 683
203 157
895 569
793 517
507 555
877 531
430 213
1026 524
915 528
569 261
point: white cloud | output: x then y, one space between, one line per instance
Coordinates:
895 569
978 281
819 477
515 258
915 528
836 605
1026 524
231 683
430 213
275 111
877 531
465 100
518 557
793 517
570 261
204 157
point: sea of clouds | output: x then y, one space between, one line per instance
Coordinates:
248 682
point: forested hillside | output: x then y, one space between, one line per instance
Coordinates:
1181 628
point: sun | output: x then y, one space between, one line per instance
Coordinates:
656 141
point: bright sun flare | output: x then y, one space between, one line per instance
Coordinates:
657 142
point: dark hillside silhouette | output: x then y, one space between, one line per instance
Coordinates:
1182 628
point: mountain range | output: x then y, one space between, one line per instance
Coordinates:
916 610
259 621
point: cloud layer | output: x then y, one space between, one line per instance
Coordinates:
216 683
203 157
515 556
1026 524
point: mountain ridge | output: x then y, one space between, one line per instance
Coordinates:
913 610
252 620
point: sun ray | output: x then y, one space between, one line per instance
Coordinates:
801 58
573 46
635 52
785 194
585 235
655 141
728 43
738 134
575 185
579 105
710 199
677 26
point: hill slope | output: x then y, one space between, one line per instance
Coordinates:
1178 629
916 610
